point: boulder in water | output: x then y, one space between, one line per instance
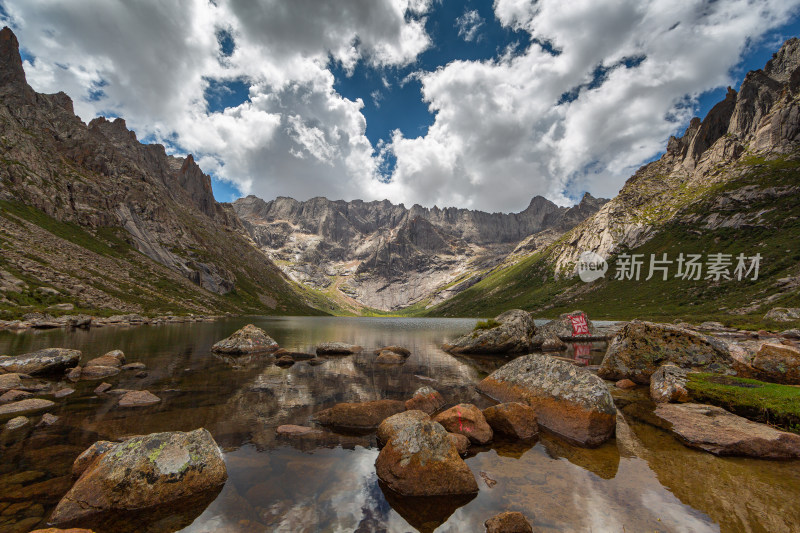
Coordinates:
513 420
467 420
249 339
512 334
425 399
47 361
359 415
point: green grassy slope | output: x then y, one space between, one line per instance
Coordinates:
530 283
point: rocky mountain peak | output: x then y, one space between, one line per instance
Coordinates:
785 61
12 76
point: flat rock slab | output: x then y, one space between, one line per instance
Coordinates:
361 415
10 382
138 398
89 373
717 431
568 400
47 361
31 405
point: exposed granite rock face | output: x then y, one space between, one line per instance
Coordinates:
127 197
762 119
46 361
249 339
420 460
569 401
387 256
514 334
717 431
668 384
143 472
641 347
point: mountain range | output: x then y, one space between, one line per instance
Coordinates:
92 220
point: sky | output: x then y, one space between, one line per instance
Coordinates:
474 104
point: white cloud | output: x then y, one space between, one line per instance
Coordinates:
499 135
469 24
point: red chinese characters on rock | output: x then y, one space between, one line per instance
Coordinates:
579 325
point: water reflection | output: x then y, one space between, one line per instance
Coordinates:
641 481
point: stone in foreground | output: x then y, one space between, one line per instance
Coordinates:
777 363
249 339
361 415
568 400
668 384
142 472
717 431
420 460
138 398
389 427
513 420
425 399
508 522
641 347
337 348
467 420
47 361
513 335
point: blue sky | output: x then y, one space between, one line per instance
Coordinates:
418 101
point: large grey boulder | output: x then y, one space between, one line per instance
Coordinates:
47 361
783 314
514 334
717 431
249 339
641 347
568 400
420 460
143 472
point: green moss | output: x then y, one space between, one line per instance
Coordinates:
487 324
155 453
770 403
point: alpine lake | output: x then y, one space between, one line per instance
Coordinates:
643 480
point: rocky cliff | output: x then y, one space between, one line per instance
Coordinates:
108 222
387 256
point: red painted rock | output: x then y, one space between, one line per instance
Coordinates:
425 399
420 460
467 420
361 415
568 400
513 420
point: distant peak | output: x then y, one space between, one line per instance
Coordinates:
12 75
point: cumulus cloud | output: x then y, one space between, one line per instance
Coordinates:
624 77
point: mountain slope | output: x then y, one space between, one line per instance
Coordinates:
729 185
91 217
387 257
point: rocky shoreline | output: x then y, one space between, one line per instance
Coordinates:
46 321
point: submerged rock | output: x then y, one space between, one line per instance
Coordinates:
668 384
467 420
568 400
405 352
641 347
291 430
337 348
717 431
15 396
508 522
285 360
47 361
134 366
360 415
420 460
90 373
249 339
47 420
568 326
143 472
514 334
387 357
425 399
390 426
138 398
514 420
17 422
297 356
31 405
